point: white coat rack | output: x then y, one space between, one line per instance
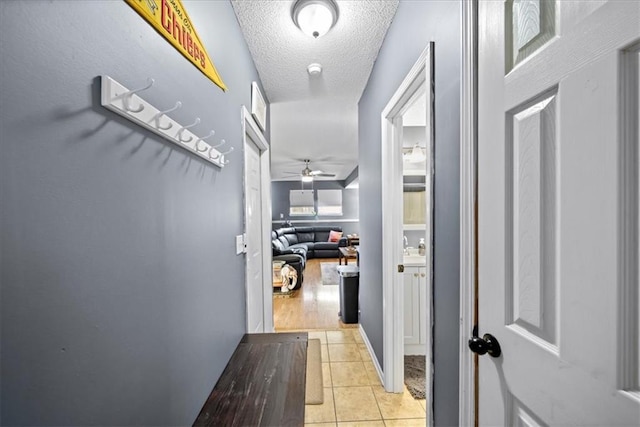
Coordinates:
128 104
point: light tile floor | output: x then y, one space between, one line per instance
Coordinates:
353 394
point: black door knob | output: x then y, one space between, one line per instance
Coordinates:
487 344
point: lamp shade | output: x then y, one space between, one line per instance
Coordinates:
315 17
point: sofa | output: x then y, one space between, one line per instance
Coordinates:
295 245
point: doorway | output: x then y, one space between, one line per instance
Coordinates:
257 244
407 164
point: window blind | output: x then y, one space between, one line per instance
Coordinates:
330 202
301 202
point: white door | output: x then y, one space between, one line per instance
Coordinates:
558 211
253 242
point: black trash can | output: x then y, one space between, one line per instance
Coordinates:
349 284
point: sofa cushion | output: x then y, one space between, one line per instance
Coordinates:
306 234
308 246
283 231
305 229
284 241
277 246
327 228
332 246
292 238
322 235
299 249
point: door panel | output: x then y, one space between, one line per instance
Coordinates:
531 206
555 176
253 203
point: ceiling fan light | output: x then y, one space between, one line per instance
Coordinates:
315 17
307 178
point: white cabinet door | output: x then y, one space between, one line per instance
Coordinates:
415 310
411 306
422 295
558 212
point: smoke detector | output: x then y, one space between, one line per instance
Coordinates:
314 69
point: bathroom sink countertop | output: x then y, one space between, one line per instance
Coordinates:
412 259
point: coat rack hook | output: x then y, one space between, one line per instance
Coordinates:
225 162
227 152
158 116
219 155
222 142
183 128
213 132
126 97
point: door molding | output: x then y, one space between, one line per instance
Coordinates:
418 81
251 128
468 200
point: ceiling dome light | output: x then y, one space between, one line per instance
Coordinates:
314 69
315 17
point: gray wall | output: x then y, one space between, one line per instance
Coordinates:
349 221
415 24
412 135
122 296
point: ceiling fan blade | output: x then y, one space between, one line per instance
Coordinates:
324 174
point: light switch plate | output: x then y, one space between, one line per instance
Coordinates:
239 244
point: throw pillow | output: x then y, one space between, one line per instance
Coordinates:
334 236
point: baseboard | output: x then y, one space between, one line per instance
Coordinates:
374 359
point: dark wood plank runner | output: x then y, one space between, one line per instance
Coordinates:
262 385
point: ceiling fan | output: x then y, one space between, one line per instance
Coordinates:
307 175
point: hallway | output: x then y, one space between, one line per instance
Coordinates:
353 392
122 261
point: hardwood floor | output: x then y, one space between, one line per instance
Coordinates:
313 306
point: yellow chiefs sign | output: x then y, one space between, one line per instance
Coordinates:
170 19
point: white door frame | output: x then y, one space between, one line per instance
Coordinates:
251 128
418 79
468 200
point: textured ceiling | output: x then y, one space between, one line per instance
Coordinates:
314 117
